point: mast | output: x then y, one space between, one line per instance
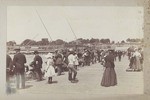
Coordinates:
72 31
43 25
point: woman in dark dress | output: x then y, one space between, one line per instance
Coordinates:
109 76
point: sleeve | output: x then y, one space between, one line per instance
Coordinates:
134 55
48 62
25 61
47 65
35 60
83 55
140 55
10 63
105 58
73 58
52 63
68 59
14 60
41 61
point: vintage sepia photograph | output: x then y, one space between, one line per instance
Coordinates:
67 50
75 50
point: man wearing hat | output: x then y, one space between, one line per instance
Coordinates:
72 70
38 64
18 61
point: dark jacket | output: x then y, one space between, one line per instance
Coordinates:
58 59
109 61
9 65
18 61
38 61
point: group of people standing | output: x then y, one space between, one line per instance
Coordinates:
58 61
17 66
136 59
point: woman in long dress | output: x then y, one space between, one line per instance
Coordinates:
109 77
49 71
137 56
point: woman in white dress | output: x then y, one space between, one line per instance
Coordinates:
49 71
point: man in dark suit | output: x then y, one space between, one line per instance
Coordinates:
18 61
38 65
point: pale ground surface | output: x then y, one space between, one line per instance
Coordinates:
129 84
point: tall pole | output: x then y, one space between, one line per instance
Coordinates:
43 25
73 33
71 30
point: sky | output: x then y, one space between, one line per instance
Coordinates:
114 22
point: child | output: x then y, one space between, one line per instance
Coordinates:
49 71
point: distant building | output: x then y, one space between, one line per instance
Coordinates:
44 39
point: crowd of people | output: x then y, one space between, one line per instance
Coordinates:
69 60
136 59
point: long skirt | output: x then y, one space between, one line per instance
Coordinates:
109 77
132 63
138 64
